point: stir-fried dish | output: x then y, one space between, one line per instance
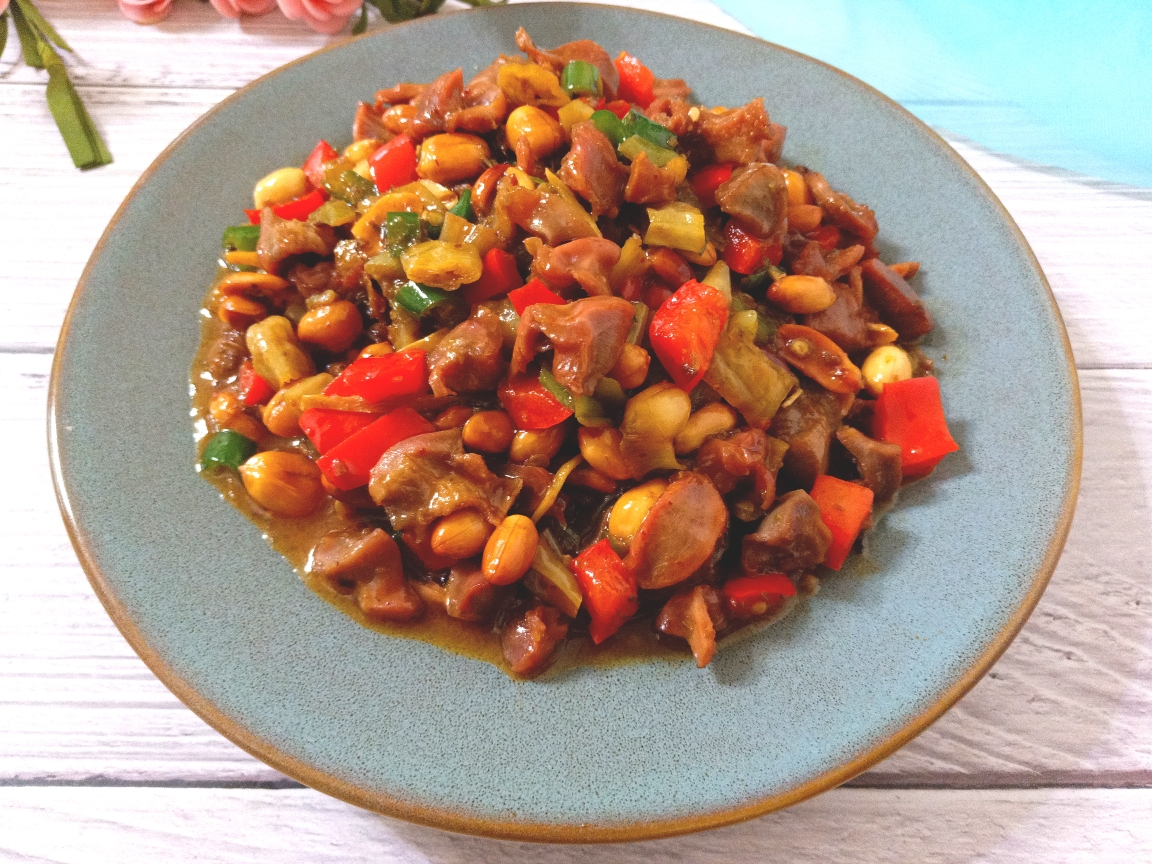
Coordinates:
556 351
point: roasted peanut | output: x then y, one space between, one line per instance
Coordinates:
906 269
460 535
631 367
452 157
227 412
544 443
282 413
600 447
488 432
361 149
452 417
804 217
802 294
509 551
334 326
377 349
531 84
276 355
885 365
240 312
242 258
590 478
285 483
629 511
543 133
279 187
713 419
818 357
797 189
398 118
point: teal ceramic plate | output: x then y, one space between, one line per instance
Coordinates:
632 751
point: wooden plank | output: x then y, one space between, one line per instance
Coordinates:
1070 702
196 47
1091 238
845 826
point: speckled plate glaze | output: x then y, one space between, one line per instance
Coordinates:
628 752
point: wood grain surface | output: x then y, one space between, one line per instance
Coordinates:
1048 758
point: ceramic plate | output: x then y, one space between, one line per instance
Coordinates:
624 752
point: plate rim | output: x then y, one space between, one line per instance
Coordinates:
552 832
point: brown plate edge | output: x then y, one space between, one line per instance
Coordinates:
533 831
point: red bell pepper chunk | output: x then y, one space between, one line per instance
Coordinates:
349 464
393 164
618 107
753 596
390 378
500 275
685 329
250 387
636 80
910 413
609 589
707 180
746 254
299 208
314 164
530 403
327 427
826 235
534 292
253 216
844 507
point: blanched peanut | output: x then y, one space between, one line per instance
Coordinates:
715 418
334 326
276 355
460 535
280 187
631 367
883 366
452 157
287 484
802 294
488 432
282 413
227 412
452 417
544 443
240 312
797 189
882 334
906 269
543 133
600 447
629 511
509 551
804 217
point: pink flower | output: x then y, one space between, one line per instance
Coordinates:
145 11
326 16
236 8
3 9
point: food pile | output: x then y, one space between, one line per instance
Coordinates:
557 349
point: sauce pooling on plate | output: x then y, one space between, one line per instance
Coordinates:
556 363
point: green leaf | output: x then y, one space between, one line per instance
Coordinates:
362 22
3 30
76 128
41 25
27 38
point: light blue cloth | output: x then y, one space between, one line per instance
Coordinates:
1060 82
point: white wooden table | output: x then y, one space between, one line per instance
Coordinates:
1048 759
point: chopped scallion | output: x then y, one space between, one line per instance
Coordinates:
556 388
227 449
463 207
242 237
580 78
610 125
636 123
635 145
403 230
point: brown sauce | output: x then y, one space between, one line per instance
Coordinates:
295 539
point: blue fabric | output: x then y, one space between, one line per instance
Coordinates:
1060 82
